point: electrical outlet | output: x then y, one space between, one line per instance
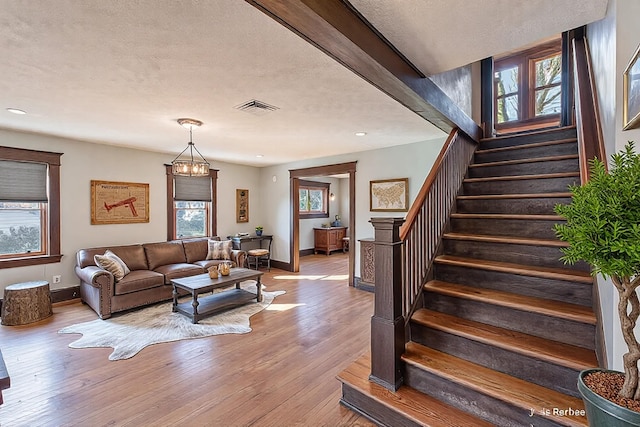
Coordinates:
57 278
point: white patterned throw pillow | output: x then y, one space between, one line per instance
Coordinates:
113 264
118 260
219 249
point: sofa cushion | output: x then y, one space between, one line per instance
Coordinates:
219 249
132 255
196 249
138 280
164 253
205 264
173 271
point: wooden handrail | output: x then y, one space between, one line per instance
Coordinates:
588 124
424 190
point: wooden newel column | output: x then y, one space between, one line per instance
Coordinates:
387 323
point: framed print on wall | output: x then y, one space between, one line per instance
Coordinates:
389 195
631 85
119 202
242 205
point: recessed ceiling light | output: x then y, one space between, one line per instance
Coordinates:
361 133
259 156
16 111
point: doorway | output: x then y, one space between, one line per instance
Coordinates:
295 175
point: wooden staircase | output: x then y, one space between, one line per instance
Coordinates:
505 327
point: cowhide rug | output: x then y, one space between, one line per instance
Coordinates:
131 332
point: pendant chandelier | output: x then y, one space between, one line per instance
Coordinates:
185 164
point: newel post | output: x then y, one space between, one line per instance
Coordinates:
387 323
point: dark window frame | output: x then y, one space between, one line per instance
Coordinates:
52 219
212 224
207 213
315 185
525 61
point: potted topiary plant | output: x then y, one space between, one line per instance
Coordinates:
259 230
603 229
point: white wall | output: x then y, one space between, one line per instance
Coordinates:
83 162
412 161
602 43
613 41
627 39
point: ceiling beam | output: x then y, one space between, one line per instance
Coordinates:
336 28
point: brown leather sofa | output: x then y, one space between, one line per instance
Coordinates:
152 266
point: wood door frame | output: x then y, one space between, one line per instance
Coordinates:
294 225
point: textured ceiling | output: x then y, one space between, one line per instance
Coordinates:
121 72
440 35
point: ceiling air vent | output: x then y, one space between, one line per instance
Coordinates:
255 107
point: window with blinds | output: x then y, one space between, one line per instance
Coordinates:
192 206
29 193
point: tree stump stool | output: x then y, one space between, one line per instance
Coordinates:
26 303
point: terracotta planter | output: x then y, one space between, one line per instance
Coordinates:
603 412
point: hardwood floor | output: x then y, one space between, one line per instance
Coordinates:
281 374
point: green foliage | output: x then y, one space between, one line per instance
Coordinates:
20 240
603 219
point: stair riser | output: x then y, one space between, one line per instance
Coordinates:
540 325
530 369
539 256
504 227
369 407
482 406
520 186
565 149
559 290
532 206
533 168
559 134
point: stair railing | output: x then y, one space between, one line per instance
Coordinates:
427 217
404 253
588 125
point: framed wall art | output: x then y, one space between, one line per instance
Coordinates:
389 195
631 96
242 205
119 202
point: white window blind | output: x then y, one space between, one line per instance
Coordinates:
23 181
191 188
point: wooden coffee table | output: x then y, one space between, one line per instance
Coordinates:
206 306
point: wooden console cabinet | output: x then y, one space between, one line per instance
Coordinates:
328 239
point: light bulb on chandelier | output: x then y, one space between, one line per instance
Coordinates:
185 164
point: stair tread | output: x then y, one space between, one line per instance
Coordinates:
523 177
526 217
525 270
522 146
558 309
418 407
524 161
514 391
506 239
510 135
562 354
515 196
